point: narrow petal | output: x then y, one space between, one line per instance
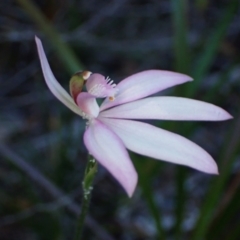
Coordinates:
88 104
58 91
169 108
144 84
157 143
109 150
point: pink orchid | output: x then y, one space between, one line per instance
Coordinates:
110 132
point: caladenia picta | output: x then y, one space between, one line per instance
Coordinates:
111 131
111 128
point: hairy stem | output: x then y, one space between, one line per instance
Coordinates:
87 183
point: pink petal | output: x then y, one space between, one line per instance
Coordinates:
58 91
144 84
88 104
109 150
169 108
157 143
100 87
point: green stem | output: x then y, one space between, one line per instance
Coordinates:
180 24
87 183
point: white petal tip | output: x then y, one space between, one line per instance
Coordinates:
37 40
212 169
184 78
218 114
129 183
228 116
131 189
130 194
225 116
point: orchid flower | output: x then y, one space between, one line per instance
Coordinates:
110 132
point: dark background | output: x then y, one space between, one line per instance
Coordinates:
42 156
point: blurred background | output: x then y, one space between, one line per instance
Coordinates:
42 156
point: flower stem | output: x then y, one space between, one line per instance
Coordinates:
89 175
